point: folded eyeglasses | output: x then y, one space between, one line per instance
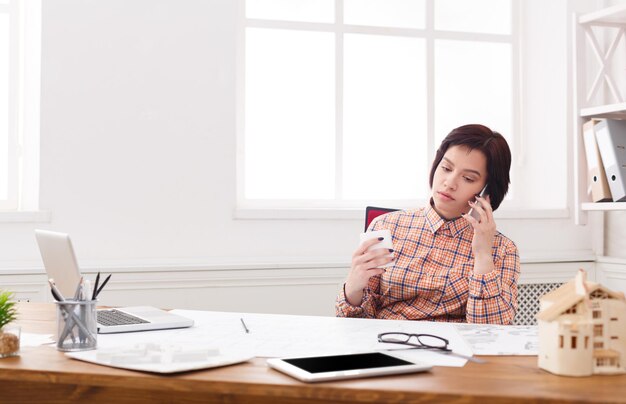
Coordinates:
419 341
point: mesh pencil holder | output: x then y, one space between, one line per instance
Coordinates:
77 328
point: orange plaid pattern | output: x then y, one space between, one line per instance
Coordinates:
432 277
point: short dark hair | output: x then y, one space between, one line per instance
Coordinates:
493 146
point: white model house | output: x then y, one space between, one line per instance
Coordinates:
582 329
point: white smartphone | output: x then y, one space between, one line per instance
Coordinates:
337 367
386 242
473 212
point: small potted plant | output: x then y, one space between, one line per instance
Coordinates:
9 335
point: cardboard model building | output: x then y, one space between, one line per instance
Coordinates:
582 329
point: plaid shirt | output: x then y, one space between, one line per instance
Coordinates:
433 278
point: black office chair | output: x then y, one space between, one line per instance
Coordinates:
372 212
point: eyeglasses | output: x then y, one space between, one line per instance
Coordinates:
423 341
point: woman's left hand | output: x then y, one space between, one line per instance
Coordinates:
484 235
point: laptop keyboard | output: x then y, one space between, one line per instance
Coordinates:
116 317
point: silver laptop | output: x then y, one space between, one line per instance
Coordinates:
61 265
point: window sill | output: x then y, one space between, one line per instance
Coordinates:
359 214
36 216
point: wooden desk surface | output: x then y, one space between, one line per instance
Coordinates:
46 375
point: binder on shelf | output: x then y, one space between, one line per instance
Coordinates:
596 177
611 139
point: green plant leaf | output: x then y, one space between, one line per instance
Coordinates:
8 311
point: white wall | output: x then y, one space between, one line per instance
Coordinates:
138 145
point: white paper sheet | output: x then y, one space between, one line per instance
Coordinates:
29 339
159 358
273 335
487 339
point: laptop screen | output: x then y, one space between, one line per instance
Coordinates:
59 260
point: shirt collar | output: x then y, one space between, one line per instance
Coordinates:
438 224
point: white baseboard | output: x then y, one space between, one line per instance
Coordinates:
305 289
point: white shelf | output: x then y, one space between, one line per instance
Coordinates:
610 15
611 111
591 30
604 206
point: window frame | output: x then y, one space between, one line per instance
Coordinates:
11 202
349 209
22 205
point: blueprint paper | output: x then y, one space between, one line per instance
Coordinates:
275 335
488 339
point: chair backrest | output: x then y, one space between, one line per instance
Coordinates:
372 212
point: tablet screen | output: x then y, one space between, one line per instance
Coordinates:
340 363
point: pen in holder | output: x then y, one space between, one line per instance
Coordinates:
77 326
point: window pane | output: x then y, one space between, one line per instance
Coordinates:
385 13
292 10
384 136
290 114
4 105
486 16
472 85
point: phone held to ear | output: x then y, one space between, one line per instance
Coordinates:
473 213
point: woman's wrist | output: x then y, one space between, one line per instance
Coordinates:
483 264
353 297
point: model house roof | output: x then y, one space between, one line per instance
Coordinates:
554 303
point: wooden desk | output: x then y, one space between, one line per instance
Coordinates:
43 374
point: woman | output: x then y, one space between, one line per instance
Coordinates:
447 265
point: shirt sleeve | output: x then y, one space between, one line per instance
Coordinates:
493 296
367 309
369 304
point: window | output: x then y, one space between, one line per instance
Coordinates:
571 310
573 342
8 149
603 361
597 314
20 34
339 95
597 330
598 294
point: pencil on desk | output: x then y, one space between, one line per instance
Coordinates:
244 326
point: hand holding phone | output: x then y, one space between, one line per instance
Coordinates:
473 213
385 243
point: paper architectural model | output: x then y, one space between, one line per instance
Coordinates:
582 329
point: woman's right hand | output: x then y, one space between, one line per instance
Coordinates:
365 265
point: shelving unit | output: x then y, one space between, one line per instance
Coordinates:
607 16
612 111
611 23
602 206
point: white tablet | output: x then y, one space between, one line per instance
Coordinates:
336 367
